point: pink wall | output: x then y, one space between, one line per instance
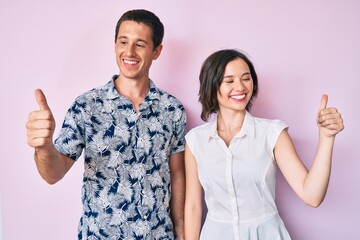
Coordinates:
300 49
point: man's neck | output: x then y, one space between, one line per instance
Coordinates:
133 89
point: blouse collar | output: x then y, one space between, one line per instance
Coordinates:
247 129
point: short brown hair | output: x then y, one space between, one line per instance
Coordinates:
146 17
211 76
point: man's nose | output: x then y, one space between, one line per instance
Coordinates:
130 49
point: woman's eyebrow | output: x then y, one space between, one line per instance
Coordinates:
246 73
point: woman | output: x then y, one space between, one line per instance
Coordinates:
234 158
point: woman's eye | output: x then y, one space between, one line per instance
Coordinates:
228 81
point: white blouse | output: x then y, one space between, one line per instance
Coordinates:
239 180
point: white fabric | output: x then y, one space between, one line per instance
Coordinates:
239 180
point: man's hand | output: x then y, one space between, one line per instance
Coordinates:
41 124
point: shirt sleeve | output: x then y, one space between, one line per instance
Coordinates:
70 140
178 139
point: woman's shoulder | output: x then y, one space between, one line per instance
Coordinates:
269 127
268 122
205 128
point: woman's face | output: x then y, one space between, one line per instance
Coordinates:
236 87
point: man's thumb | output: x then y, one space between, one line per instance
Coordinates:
41 100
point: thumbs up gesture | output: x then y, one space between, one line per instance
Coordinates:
329 120
41 124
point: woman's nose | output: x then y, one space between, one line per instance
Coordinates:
238 85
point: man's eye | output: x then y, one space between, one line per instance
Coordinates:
140 45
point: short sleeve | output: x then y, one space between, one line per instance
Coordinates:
178 140
276 127
190 141
71 138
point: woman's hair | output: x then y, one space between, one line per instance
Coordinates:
211 76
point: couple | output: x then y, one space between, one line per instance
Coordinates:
133 137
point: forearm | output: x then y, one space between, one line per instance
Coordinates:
177 206
317 180
193 215
50 164
311 186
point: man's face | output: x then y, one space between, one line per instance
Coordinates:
135 51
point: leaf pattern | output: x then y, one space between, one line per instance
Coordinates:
126 182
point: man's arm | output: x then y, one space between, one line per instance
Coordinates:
51 164
177 171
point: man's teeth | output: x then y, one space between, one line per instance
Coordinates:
130 62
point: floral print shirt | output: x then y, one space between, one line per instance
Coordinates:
126 183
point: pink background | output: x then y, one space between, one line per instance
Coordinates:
301 49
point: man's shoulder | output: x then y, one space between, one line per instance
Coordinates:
168 97
96 92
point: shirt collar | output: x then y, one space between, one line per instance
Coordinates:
247 129
112 93
110 90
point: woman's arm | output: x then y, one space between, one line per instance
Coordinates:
193 198
310 185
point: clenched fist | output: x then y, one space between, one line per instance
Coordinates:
41 124
329 120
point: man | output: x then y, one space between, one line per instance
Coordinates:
132 134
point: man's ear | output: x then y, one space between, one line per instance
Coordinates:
157 51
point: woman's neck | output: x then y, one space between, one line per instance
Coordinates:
229 123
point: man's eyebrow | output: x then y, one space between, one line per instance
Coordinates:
137 40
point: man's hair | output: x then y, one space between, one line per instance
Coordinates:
211 76
146 17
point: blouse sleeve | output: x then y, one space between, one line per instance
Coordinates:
190 141
275 130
